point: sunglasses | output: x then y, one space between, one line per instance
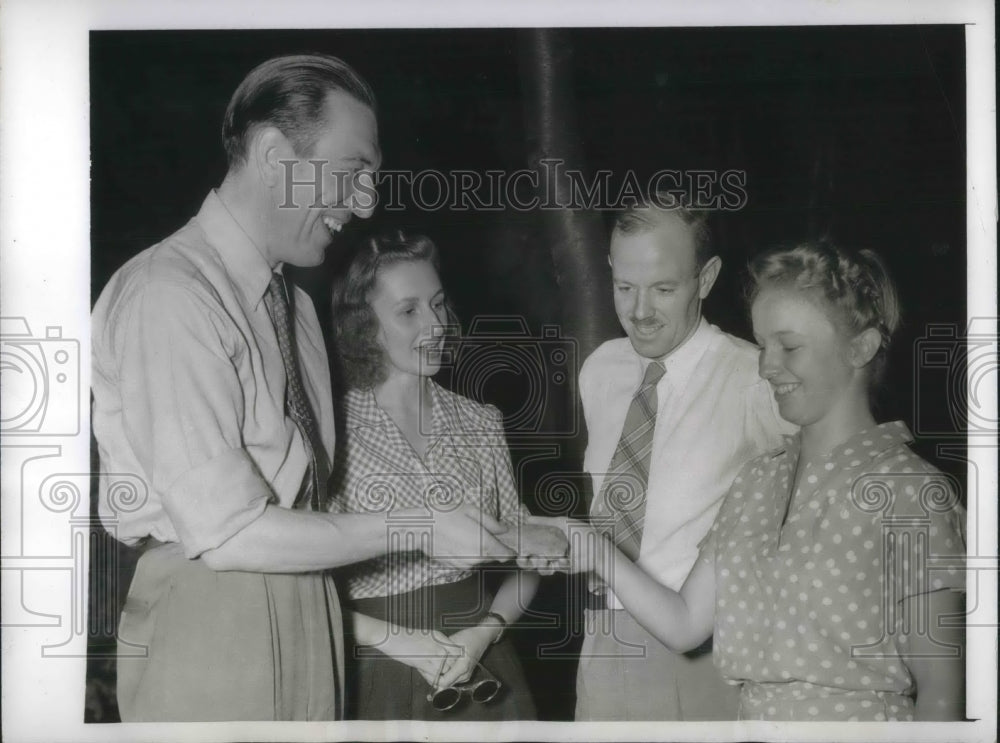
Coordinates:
480 691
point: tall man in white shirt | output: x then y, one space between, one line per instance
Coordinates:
672 412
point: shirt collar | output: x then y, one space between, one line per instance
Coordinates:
365 411
243 261
681 362
447 416
864 445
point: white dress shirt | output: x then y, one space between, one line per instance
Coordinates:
714 413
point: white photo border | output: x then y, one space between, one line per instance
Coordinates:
45 253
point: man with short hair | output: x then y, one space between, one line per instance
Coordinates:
211 383
672 412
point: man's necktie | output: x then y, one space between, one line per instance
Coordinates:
620 507
296 402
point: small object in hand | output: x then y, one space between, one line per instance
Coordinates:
480 691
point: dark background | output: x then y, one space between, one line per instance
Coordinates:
853 132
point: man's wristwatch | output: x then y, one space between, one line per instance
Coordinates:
503 626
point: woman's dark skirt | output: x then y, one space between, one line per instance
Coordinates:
381 688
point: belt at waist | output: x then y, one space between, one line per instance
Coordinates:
445 607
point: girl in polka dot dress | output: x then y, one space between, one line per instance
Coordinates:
833 578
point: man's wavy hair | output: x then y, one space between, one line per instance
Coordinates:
289 93
356 327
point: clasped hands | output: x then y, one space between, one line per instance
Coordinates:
545 544
550 544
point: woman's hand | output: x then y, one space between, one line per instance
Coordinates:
466 537
433 654
470 644
587 547
540 546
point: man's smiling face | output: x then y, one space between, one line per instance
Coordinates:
320 189
657 286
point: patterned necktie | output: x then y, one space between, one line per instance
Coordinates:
620 507
296 402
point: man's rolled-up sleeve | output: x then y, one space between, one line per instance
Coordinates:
183 407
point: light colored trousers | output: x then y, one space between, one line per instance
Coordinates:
627 674
199 645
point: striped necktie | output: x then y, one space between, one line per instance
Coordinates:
296 402
620 508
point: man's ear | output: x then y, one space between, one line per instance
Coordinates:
268 148
864 346
707 276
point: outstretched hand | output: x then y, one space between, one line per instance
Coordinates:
539 546
466 537
585 546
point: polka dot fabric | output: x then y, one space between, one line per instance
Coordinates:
809 616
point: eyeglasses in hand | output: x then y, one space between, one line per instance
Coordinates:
481 690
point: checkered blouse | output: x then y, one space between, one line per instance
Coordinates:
467 461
